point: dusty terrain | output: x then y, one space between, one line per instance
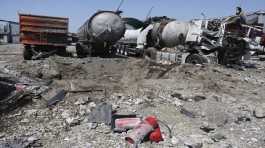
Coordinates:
207 106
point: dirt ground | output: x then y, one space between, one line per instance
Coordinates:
205 106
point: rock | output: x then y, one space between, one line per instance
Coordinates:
139 101
92 125
72 121
228 99
193 141
82 101
31 112
25 120
189 98
242 119
178 103
254 139
198 98
84 110
177 95
92 104
259 111
218 137
187 112
194 145
222 144
207 127
15 115
174 140
66 114
2 135
32 139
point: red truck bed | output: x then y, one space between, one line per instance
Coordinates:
43 30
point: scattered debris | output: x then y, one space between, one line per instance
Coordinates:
187 113
15 93
57 98
62 93
101 114
181 80
22 142
123 123
149 127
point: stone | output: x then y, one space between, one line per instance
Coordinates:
31 112
174 140
254 139
139 101
82 101
228 99
198 98
207 127
177 95
32 139
218 137
189 98
242 119
84 110
66 114
2 135
178 103
188 113
25 120
92 104
193 141
72 121
92 125
259 111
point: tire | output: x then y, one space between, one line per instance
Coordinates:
196 59
27 53
61 51
80 51
150 53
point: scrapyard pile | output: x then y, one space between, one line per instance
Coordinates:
124 101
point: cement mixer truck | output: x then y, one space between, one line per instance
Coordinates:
195 41
97 35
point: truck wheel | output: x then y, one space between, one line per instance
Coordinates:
27 53
150 53
196 59
61 51
80 51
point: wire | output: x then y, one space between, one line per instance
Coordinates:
169 129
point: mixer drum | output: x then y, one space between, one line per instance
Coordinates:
106 26
175 33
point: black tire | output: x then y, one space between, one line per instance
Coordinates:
80 51
62 51
27 53
151 53
196 59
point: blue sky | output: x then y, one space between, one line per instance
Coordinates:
80 10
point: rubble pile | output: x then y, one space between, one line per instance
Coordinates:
76 103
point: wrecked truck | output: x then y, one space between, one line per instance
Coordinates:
43 35
97 35
223 41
